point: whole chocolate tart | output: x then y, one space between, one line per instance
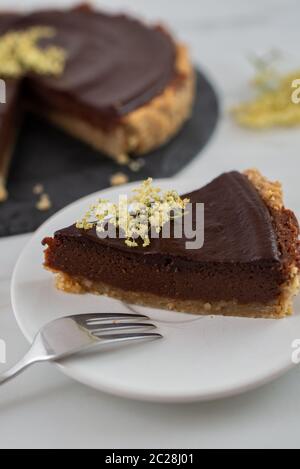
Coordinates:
126 87
248 265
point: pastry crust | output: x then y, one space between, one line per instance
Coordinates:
287 229
270 191
145 128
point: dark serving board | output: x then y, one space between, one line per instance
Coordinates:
69 169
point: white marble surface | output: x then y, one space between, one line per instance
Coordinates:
45 409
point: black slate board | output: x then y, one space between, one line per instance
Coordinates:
69 169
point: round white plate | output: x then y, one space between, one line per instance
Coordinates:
198 358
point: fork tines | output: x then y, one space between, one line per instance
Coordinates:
130 336
109 326
99 329
94 319
99 324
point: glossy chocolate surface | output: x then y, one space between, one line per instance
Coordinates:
115 63
238 226
240 258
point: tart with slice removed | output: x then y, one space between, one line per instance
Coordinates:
123 86
248 265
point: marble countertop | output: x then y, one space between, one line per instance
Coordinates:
43 408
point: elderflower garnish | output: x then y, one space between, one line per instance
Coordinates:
147 209
272 105
20 53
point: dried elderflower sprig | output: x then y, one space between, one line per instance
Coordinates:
148 208
20 53
272 105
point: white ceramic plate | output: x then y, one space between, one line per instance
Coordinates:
198 358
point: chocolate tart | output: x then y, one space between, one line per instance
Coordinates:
248 265
8 124
127 87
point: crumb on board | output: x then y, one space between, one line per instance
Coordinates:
38 189
133 164
118 179
44 203
123 159
136 165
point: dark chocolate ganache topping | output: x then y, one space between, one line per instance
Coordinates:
237 226
114 65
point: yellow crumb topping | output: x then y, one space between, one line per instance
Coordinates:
20 53
148 208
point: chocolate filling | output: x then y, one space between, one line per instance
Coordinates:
244 256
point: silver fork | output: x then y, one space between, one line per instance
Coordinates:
65 337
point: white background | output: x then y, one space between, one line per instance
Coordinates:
42 408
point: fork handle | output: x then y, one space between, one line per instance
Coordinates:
18 368
34 355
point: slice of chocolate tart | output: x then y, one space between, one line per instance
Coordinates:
248 265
